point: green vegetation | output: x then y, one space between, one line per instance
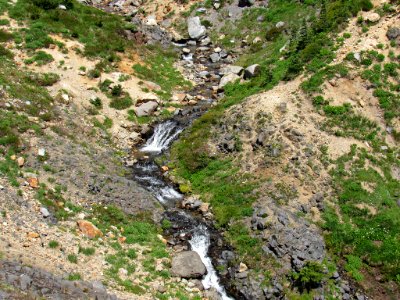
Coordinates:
53 244
87 251
72 258
310 275
40 58
104 38
366 230
159 68
74 276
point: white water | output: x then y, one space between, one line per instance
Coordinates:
200 243
164 134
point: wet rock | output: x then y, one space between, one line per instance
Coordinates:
88 229
187 264
229 78
195 29
146 109
252 71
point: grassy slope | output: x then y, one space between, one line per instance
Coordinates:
311 48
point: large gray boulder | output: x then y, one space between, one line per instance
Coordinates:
252 71
188 264
231 69
146 109
229 78
195 29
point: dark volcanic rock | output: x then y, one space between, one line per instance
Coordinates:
42 284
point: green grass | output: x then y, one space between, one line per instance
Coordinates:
87 251
40 58
159 68
368 238
72 258
53 244
100 32
74 277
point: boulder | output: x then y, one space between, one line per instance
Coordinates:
88 229
252 71
393 33
146 109
372 17
195 29
229 78
188 264
238 70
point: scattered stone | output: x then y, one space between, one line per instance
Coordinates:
20 161
187 264
195 29
164 168
204 207
45 213
372 17
242 268
229 78
151 20
88 229
252 71
186 50
146 109
215 57
42 152
33 182
393 33
280 25
33 235
231 70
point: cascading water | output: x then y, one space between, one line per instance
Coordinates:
200 243
147 173
164 134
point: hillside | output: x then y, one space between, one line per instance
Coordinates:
199 149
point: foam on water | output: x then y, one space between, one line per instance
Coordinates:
200 243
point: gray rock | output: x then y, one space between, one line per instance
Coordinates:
45 213
393 33
195 29
188 264
228 255
238 70
25 282
229 78
260 18
146 109
252 71
280 24
205 42
215 57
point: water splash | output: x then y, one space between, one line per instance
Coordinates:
200 243
164 134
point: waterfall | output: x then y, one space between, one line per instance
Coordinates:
164 134
200 243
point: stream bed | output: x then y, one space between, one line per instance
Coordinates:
188 228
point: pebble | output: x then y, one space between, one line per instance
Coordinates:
45 213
